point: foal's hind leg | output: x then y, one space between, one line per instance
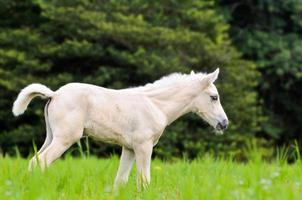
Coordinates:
57 147
53 151
65 129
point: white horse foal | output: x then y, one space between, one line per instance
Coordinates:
134 118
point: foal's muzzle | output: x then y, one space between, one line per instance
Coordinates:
222 125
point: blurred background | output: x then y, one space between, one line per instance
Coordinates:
256 44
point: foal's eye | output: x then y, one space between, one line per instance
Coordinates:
214 98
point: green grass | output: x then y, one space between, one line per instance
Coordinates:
204 178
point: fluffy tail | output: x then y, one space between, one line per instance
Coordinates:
27 94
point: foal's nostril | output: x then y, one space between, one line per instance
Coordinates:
225 122
223 125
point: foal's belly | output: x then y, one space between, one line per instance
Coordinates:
107 135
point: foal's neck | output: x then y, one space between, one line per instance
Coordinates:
175 101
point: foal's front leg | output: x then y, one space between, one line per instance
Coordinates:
143 153
124 169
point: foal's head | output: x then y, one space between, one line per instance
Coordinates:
207 103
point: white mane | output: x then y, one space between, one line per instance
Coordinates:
170 80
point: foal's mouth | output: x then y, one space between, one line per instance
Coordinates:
218 132
218 128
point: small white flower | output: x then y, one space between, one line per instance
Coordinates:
107 189
8 193
240 182
236 194
275 174
250 192
265 181
265 187
8 182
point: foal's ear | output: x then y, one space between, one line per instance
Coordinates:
210 78
213 76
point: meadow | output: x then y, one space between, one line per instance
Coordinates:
203 178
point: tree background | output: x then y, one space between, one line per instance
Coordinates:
269 33
120 44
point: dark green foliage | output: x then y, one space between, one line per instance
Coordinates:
121 44
270 33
